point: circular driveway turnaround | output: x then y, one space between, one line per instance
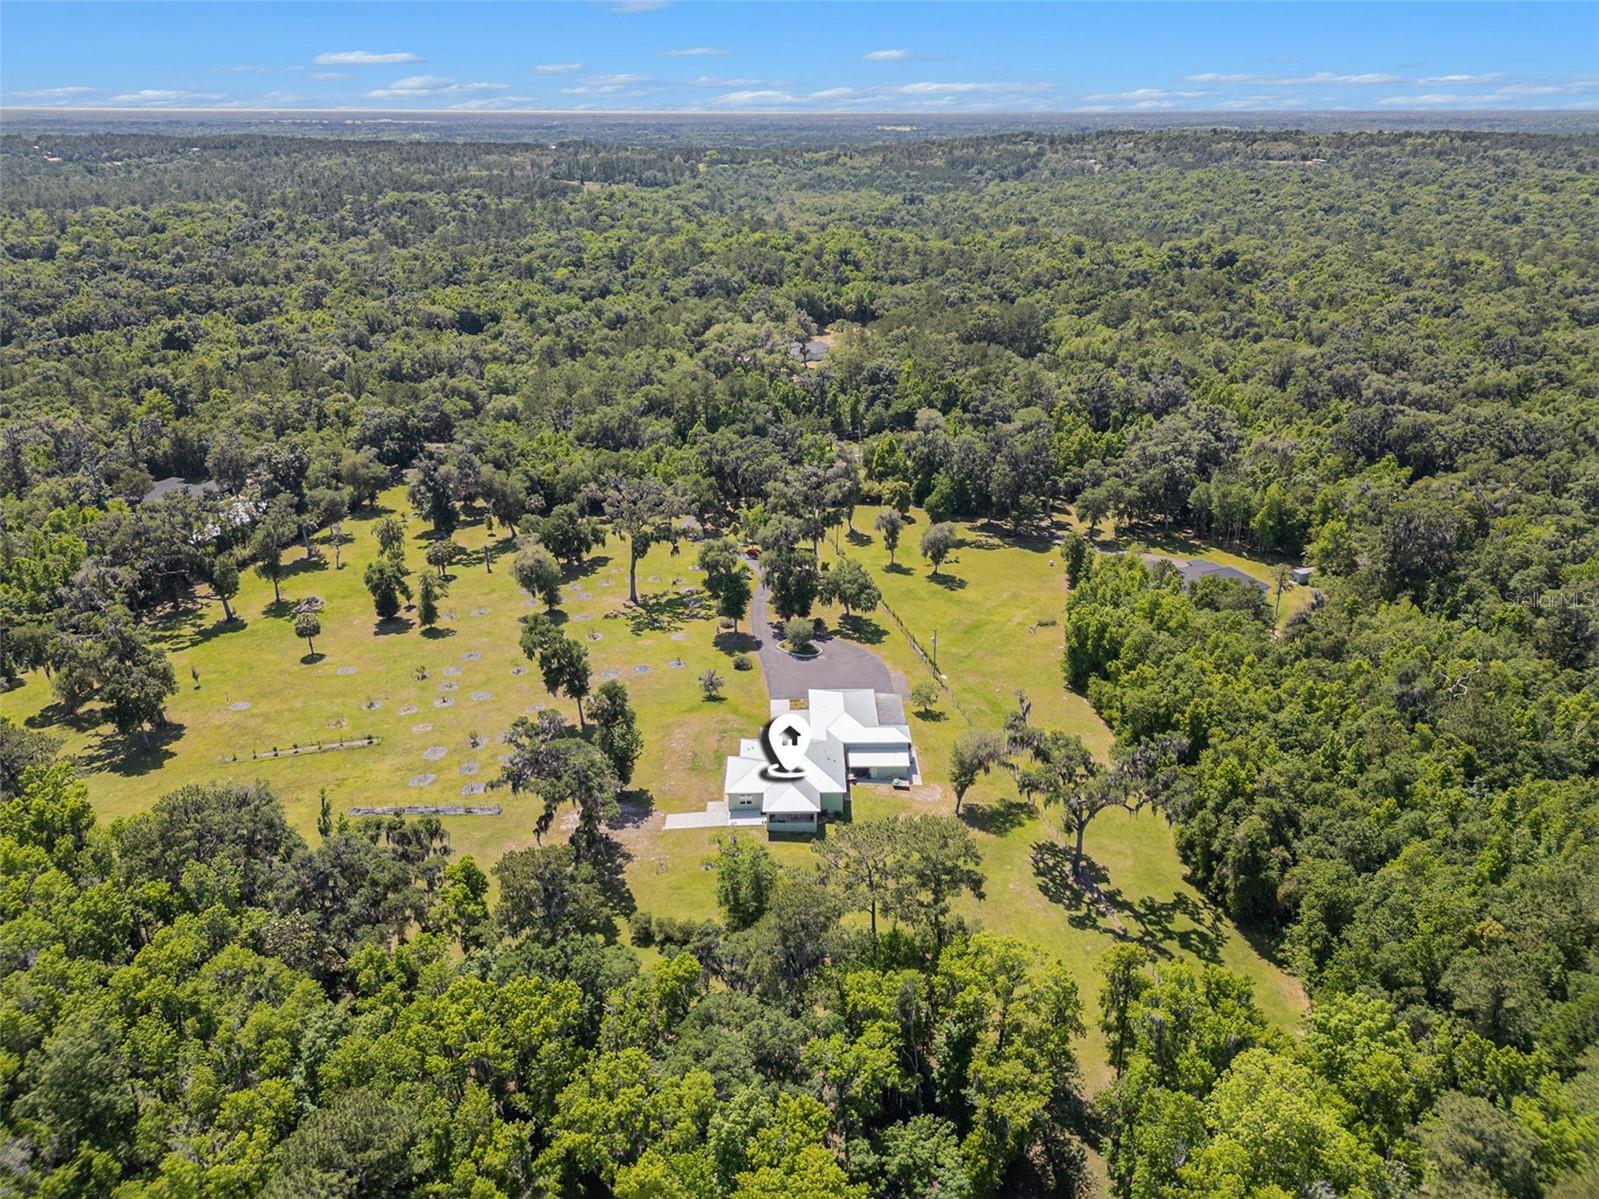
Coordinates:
841 664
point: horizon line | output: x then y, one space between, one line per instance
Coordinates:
806 112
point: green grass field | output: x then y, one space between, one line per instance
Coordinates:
261 663
996 608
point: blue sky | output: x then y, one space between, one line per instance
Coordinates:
645 55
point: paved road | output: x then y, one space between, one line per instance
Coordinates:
842 664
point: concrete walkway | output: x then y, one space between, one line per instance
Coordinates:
841 664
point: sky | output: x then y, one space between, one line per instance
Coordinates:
842 56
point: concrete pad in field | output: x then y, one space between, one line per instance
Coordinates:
345 670
706 819
434 752
422 780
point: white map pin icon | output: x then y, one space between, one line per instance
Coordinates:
787 738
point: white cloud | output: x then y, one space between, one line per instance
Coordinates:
1320 78
1255 103
1582 83
325 76
415 87
695 52
886 56
364 58
558 68
718 81
956 89
151 95
54 93
1145 94
757 99
490 103
283 98
1427 100
1457 79
608 85
833 93
630 6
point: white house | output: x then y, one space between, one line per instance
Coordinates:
854 735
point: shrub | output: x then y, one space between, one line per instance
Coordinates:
742 662
926 696
798 631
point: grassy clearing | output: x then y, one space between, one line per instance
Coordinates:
996 607
292 700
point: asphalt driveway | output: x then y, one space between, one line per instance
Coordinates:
841 664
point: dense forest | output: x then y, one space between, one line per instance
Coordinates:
1374 352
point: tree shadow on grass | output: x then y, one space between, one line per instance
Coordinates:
733 644
128 755
581 569
930 715
996 818
856 537
312 659
898 568
862 629
393 626
1052 868
436 633
662 612
1037 537
1164 927
1158 923
278 609
948 582
635 805
54 714
302 566
186 636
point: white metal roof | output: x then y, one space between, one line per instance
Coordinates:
886 757
788 799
